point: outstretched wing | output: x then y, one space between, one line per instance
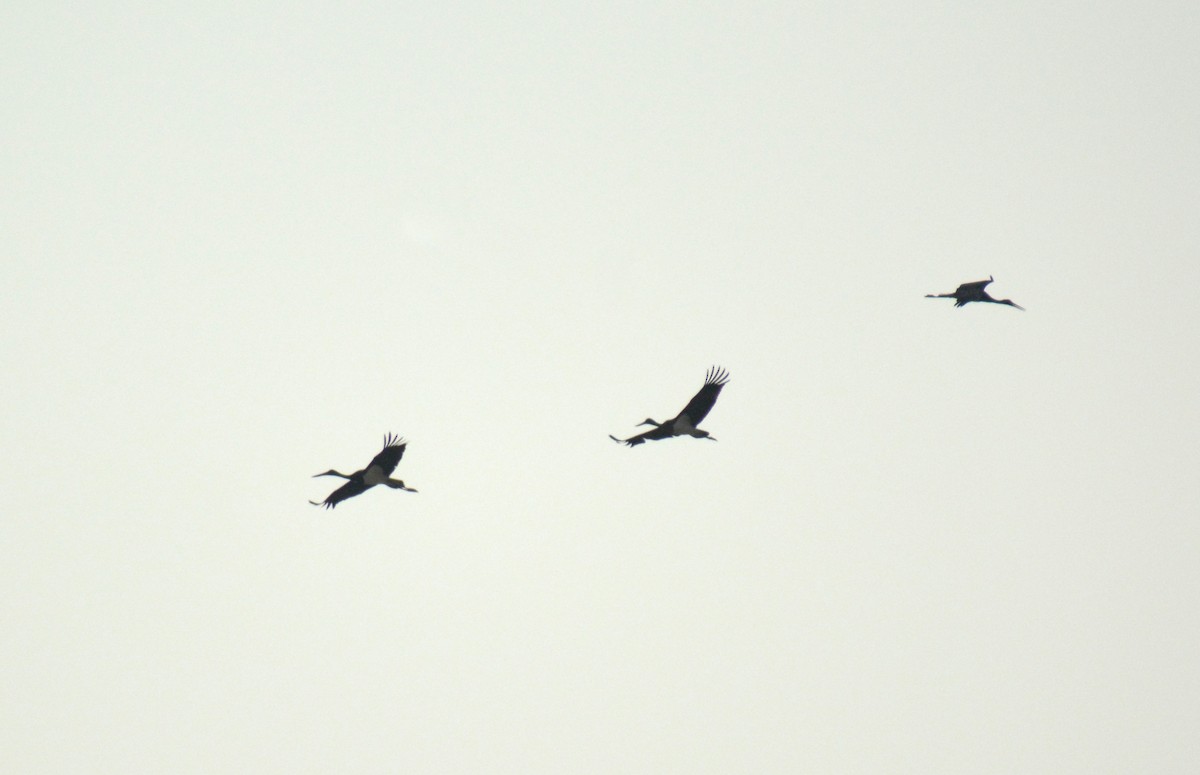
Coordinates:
389 458
698 408
654 434
972 290
347 490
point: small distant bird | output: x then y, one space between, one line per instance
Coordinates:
378 472
969 292
692 415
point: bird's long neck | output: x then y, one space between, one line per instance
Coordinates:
397 484
1009 302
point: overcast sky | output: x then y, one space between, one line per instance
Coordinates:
243 241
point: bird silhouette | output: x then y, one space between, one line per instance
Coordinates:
684 423
969 292
378 471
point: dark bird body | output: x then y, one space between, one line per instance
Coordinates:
378 472
684 423
969 292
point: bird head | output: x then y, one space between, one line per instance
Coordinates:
648 421
330 472
1010 303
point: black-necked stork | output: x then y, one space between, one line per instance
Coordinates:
969 292
684 424
378 472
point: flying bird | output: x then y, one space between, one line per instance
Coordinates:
378 472
684 424
969 292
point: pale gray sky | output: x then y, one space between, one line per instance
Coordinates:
242 241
